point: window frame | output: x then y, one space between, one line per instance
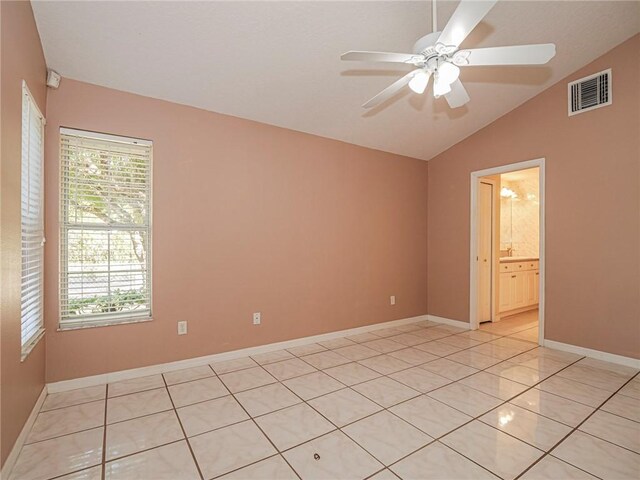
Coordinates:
93 321
26 347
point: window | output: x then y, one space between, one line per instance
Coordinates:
105 237
32 222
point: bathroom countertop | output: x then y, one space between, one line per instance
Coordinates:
517 259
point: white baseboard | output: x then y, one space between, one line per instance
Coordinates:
449 321
597 354
17 446
104 378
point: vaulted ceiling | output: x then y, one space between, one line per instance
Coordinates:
279 62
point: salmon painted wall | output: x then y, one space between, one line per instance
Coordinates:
314 233
22 59
592 208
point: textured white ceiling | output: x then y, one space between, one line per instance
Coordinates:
278 62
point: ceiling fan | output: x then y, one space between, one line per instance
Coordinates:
437 55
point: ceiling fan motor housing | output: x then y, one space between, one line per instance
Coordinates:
426 45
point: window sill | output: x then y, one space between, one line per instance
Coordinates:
27 349
112 323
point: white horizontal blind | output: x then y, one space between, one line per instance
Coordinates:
105 229
32 223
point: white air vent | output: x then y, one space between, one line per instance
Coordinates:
590 92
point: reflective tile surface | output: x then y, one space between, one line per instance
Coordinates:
417 401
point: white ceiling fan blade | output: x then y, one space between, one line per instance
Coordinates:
390 91
462 22
515 55
382 57
458 96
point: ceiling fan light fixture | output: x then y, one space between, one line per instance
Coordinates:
419 81
448 72
440 86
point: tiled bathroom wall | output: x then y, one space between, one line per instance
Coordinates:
519 216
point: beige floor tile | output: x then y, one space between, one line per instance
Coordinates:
545 365
550 468
552 406
466 399
344 406
272 357
387 437
598 457
460 341
234 365
58 456
536 430
293 425
138 404
272 468
407 339
135 385
413 356
336 343
420 379
363 337
385 391
313 385
616 368
438 348
267 399
142 433
305 350
385 474
479 335
170 462
496 351
494 385
388 332
241 380
430 415
496 451
352 373
612 428
188 374
325 360
227 449
596 377
336 457
384 345
93 473
438 462
64 421
576 391
205 416
517 373
632 389
385 364
289 369
449 369
624 406
74 397
473 359
196 391
357 352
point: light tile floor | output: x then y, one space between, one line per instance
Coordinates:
417 401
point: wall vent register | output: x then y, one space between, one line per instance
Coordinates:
590 92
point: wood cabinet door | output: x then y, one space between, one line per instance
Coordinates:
519 292
505 291
531 279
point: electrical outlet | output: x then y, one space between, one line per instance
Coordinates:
256 318
392 299
182 328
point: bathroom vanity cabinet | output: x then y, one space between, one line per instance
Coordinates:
519 284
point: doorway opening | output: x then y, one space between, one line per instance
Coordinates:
507 250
